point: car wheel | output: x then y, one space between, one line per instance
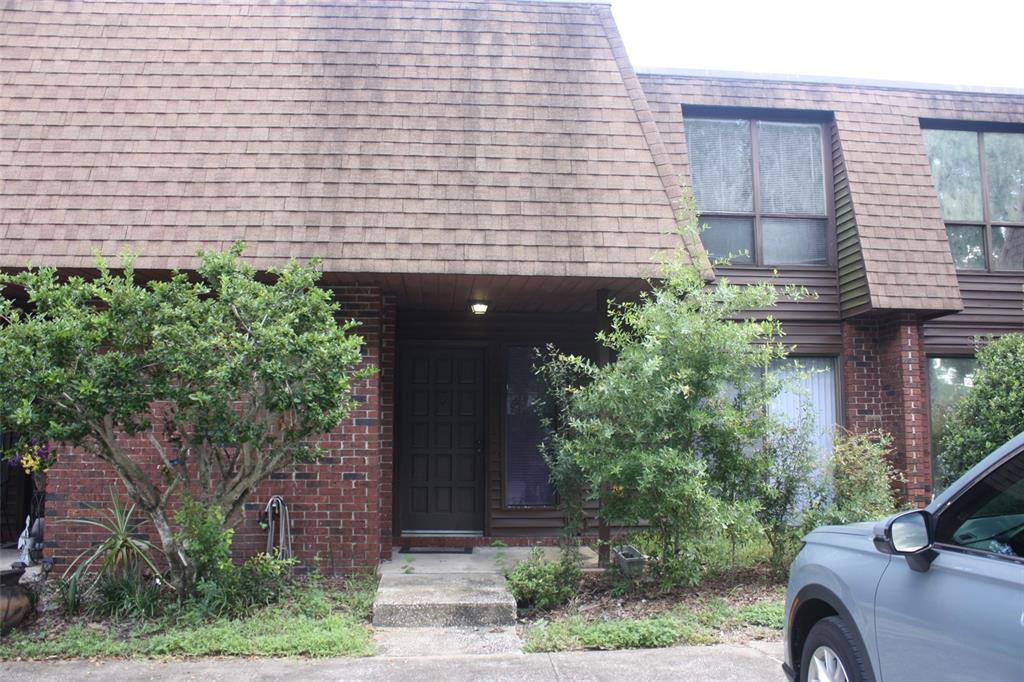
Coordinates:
832 653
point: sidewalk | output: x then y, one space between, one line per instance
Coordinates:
719 663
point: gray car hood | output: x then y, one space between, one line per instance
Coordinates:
862 529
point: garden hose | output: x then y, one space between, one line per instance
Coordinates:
283 523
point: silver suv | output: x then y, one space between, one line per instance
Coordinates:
933 594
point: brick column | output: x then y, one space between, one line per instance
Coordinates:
884 388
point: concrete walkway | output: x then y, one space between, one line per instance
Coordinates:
447 604
721 663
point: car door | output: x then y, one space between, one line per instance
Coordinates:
963 618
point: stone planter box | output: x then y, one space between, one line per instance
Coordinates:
630 560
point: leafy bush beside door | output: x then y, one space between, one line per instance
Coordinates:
666 433
248 374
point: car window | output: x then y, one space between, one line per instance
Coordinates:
990 515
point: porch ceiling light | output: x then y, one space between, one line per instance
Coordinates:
478 307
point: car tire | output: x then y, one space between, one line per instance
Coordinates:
832 642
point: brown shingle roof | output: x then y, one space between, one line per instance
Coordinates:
903 242
456 137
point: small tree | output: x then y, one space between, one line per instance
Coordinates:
230 378
990 414
665 432
790 457
562 375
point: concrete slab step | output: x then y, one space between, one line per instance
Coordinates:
447 641
443 600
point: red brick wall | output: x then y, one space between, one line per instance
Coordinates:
884 387
335 504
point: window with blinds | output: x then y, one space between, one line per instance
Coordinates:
810 384
761 189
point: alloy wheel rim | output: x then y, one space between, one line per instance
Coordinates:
825 666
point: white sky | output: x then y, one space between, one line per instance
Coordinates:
957 42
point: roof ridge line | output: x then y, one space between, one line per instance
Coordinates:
662 163
841 81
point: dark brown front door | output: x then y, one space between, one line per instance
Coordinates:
440 439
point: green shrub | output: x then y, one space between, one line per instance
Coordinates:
990 414
684 566
234 590
560 376
126 595
662 433
248 371
541 584
223 588
203 535
861 482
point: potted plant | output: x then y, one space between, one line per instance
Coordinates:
15 600
35 457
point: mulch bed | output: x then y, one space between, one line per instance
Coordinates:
597 599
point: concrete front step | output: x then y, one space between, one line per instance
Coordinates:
443 600
447 641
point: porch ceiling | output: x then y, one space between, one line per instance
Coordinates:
506 294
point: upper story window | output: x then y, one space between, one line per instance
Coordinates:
980 180
761 190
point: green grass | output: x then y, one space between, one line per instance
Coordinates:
260 635
647 633
766 615
681 626
311 621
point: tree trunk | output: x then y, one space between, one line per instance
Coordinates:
181 568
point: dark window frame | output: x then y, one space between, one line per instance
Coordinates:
825 122
986 224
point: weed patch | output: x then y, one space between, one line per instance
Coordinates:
704 625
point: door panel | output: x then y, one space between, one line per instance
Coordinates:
963 618
959 620
440 439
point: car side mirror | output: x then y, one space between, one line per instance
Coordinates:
908 534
